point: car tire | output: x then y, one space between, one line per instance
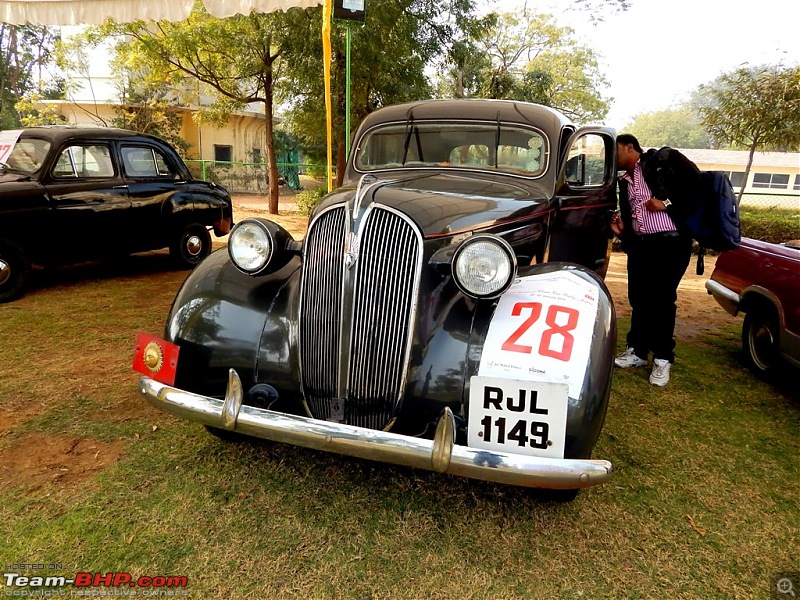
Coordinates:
760 339
191 244
14 271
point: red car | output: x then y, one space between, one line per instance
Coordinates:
762 280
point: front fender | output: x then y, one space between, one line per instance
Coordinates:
218 318
514 355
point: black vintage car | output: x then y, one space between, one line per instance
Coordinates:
71 194
444 310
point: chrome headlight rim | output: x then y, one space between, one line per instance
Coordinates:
502 245
256 226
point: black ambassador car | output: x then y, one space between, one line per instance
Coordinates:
444 310
71 194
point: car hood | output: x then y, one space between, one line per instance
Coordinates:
448 204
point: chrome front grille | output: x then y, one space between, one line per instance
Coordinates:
320 322
362 356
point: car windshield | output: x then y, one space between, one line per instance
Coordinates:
28 155
484 146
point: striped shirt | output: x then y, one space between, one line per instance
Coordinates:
645 221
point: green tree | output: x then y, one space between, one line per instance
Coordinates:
677 127
25 56
389 55
526 56
237 59
757 108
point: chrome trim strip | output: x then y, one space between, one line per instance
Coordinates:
439 454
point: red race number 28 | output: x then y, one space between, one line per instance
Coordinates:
545 345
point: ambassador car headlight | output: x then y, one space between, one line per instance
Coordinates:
484 266
250 246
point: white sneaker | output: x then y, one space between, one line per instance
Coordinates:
629 359
660 374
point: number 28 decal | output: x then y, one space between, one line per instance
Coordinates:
555 330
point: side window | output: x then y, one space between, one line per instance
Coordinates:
587 161
145 162
164 170
84 162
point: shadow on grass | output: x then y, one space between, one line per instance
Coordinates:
135 265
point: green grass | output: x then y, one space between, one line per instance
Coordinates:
703 504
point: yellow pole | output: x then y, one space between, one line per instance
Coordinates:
327 9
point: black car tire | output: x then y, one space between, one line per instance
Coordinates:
760 338
14 270
191 244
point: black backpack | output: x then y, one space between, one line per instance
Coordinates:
714 218
708 209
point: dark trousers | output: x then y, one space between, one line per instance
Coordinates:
656 264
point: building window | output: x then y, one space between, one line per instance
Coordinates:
255 156
223 153
797 183
774 181
737 178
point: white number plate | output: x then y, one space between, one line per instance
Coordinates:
516 416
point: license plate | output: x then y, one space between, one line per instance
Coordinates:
517 416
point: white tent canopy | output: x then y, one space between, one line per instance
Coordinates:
75 12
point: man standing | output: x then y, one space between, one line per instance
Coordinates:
656 188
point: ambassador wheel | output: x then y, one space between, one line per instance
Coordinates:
191 244
760 338
14 270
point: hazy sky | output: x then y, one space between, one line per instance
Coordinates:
658 51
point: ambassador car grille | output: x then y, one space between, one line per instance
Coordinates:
380 293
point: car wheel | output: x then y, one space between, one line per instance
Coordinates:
14 270
760 339
191 245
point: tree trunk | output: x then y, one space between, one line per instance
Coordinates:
269 144
341 162
753 147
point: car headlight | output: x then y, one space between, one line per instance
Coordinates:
484 266
250 246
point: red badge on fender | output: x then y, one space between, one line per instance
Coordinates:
155 358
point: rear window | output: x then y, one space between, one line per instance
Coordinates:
28 154
484 146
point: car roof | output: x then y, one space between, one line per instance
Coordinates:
472 109
59 133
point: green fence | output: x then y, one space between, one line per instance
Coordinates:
771 200
250 178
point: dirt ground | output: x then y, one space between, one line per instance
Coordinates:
61 462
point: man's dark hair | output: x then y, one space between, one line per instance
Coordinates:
627 138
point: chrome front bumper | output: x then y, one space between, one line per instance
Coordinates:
440 454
